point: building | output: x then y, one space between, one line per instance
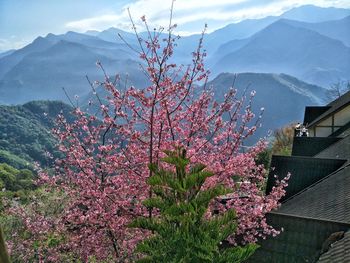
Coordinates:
331 120
315 212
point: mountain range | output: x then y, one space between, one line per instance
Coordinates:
283 47
25 129
308 42
295 56
282 96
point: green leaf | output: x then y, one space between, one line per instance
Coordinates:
180 232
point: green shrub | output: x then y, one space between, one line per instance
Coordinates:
181 232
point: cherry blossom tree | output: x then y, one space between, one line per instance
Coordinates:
104 170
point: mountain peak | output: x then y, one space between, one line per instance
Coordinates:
39 38
314 14
39 42
92 32
50 35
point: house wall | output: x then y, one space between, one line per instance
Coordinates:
331 124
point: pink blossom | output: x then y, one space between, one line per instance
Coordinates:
105 166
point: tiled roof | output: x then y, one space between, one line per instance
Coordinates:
301 241
339 251
343 131
310 146
329 199
338 150
317 203
305 171
334 106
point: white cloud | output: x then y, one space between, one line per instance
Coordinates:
157 12
93 23
191 11
12 43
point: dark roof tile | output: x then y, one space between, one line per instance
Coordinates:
310 146
338 150
304 171
338 252
301 240
329 199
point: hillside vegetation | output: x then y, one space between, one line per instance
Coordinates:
25 132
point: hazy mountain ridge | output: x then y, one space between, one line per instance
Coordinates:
336 29
25 129
6 53
282 96
42 68
63 64
293 50
315 14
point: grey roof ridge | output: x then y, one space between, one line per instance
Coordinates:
309 218
342 138
308 157
345 165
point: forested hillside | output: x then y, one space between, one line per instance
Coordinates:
25 132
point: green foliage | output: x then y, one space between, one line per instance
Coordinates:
15 184
283 140
25 132
182 232
264 158
13 179
281 144
14 160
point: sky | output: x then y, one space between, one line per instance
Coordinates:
21 21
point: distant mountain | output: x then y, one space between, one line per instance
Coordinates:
42 68
248 27
310 51
283 48
112 35
283 97
336 29
227 48
315 14
6 53
234 31
25 132
92 32
7 62
25 129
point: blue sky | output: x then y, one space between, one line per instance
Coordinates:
21 21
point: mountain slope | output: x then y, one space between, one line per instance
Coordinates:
336 29
42 68
300 52
6 53
248 27
9 61
112 35
283 97
41 75
25 131
234 31
315 14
